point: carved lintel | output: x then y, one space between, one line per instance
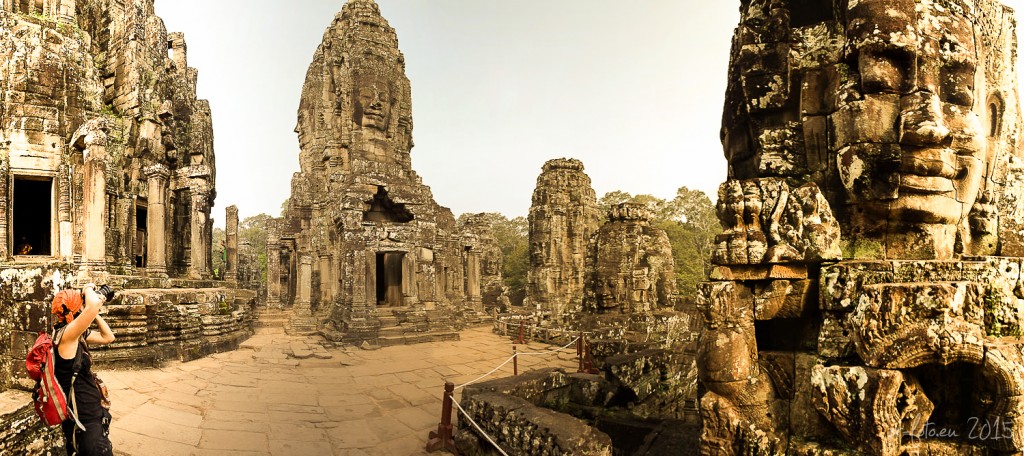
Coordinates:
872 408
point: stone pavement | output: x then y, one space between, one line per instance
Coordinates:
263 400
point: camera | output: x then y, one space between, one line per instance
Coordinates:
106 292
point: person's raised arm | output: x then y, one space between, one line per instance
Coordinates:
104 336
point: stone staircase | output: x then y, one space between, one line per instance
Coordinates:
272 318
288 320
400 327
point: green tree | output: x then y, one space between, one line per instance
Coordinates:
513 239
254 230
693 243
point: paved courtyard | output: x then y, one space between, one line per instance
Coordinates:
262 400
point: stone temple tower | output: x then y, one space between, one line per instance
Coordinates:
362 237
562 218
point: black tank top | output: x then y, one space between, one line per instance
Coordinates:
87 395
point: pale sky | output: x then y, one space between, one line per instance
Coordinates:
633 88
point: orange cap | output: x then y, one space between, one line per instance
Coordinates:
66 304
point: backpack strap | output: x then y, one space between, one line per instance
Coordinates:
76 366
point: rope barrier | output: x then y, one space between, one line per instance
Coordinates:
487 374
548 353
480 430
551 351
442 439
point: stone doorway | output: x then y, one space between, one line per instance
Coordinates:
141 233
33 215
389 279
963 399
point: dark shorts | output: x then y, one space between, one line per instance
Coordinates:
93 441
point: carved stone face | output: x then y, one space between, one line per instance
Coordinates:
608 290
918 156
373 103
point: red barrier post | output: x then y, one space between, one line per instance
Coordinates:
515 361
443 438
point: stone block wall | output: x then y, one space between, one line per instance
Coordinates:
517 414
21 433
25 295
157 325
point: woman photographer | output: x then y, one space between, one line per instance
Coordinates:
86 433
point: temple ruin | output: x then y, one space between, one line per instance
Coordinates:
866 295
107 174
364 253
630 268
562 218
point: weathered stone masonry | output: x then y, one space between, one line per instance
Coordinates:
107 174
364 253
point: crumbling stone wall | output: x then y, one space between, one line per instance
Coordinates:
98 101
26 293
629 265
362 233
562 218
483 259
107 175
21 433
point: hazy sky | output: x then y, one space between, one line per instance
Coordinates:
633 88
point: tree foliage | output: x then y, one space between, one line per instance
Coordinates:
254 230
691 224
513 239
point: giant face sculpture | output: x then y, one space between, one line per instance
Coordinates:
917 62
373 103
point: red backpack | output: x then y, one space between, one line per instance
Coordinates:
50 402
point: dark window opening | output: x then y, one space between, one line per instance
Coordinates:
141 236
181 245
809 12
383 209
786 334
33 207
994 116
389 279
960 394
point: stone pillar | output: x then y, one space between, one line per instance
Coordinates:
370 291
325 279
66 10
273 268
199 247
473 280
335 276
65 227
231 244
93 143
156 221
304 285
409 279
